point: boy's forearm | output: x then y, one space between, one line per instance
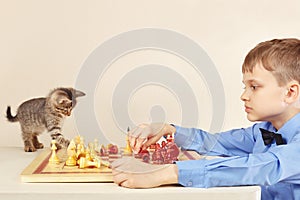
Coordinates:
170 174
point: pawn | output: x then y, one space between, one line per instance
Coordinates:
96 146
88 156
92 150
53 158
71 161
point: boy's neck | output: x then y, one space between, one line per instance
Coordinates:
278 123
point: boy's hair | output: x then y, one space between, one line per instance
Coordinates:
279 56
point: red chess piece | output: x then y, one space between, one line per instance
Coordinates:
172 152
112 149
170 138
157 157
145 155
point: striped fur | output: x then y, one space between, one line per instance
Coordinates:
40 114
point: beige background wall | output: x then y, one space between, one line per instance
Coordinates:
43 45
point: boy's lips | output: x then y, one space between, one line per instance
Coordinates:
247 109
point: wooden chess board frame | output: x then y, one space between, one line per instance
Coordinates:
40 170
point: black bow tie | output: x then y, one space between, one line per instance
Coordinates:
269 136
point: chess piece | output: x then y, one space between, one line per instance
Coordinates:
112 149
77 139
82 163
85 163
103 151
105 163
81 141
71 161
92 150
102 162
170 138
53 158
82 144
96 146
71 150
88 156
80 151
127 150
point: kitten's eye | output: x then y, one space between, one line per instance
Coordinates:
59 109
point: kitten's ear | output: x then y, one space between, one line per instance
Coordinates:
78 93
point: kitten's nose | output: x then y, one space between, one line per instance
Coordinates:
69 112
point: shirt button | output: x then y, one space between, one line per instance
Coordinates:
190 183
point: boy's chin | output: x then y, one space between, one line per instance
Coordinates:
253 118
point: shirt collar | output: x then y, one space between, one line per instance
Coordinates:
290 128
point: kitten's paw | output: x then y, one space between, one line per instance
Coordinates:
39 145
29 149
61 142
58 146
67 142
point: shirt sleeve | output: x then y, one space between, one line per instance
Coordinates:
236 142
276 165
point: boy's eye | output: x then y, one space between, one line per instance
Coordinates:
253 87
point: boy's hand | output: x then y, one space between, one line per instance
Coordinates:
144 135
132 173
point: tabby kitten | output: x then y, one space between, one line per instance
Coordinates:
40 114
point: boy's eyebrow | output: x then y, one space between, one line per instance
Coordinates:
251 81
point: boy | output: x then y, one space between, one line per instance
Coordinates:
250 156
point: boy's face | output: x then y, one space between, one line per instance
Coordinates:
263 97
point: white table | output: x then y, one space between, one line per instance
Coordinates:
13 160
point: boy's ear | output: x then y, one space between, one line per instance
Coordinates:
293 91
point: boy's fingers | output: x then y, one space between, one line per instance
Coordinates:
133 135
119 177
148 143
132 141
119 162
132 132
138 144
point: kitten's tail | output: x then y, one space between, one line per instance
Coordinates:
9 116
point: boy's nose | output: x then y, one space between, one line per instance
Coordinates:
244 96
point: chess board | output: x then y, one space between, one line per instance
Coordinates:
40 170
